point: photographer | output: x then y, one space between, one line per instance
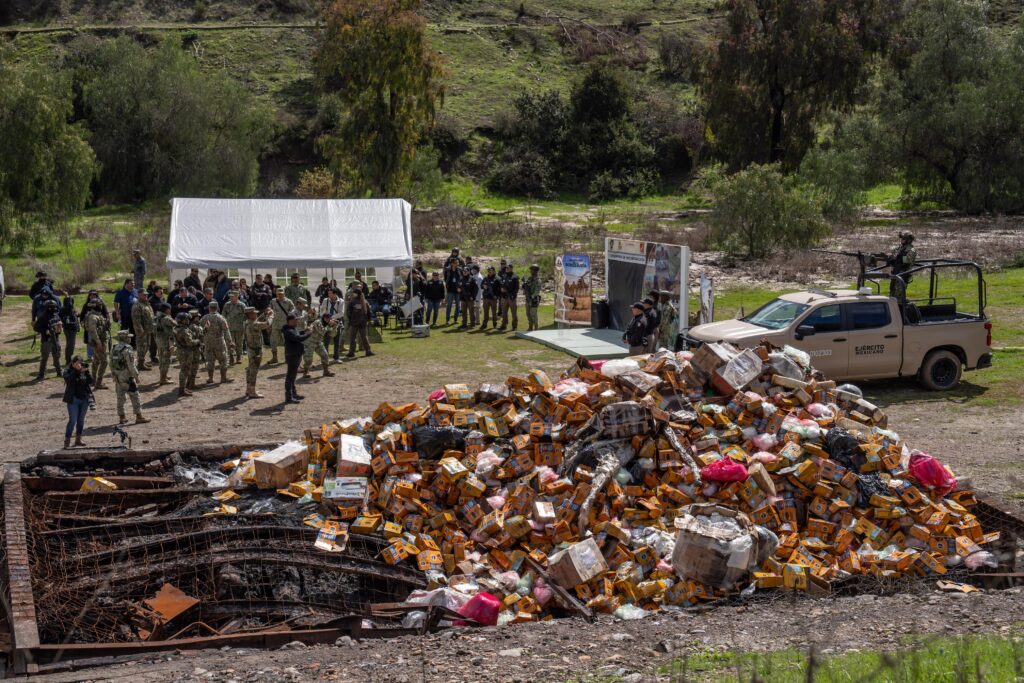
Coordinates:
78 397
48 327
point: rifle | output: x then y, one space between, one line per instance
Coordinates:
865 259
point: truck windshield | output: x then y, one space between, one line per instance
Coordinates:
776 314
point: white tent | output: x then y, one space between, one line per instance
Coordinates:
312 237
290 233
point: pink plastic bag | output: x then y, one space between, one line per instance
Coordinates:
931 474
724 470
436 396
483 608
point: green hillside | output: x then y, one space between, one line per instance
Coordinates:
493 49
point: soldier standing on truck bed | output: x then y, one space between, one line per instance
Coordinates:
901 261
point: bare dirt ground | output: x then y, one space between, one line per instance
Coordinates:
606 650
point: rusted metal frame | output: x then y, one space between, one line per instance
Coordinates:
74 483
201 540
126 495
81 456
20 604
216 558
146 526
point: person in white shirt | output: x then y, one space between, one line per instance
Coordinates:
335 307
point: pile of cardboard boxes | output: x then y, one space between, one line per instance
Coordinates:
484 489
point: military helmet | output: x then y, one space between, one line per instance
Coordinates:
907 235
182 317
51 305
124 335
250 309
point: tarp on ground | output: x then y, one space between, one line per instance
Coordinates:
293 233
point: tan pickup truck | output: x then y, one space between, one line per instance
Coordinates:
859 334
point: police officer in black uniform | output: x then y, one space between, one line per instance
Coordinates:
636 332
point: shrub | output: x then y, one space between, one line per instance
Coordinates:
758 211
678 57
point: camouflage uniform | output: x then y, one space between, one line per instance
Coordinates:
295 292
666 329
163 331
126 377
318 333
184 343
234 313
142 323
281 309
99 334
216 342
531 293
253 333
196 327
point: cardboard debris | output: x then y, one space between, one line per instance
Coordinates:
594 485
281 466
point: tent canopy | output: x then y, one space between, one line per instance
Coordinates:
293 233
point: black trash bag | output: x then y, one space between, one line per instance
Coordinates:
432 442
844 449
868 485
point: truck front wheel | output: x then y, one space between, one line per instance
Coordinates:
941 371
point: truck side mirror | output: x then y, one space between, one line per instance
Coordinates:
804 331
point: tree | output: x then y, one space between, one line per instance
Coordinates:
950 108
758 210
781 65
162 125
46 165
374 57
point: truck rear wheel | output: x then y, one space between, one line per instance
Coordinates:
941 371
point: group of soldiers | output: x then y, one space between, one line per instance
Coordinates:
653 323
475 298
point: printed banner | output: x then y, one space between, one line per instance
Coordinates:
573 291
634 268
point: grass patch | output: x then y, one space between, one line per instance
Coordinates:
964 659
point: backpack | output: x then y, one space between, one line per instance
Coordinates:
118 362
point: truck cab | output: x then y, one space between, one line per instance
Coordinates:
864 334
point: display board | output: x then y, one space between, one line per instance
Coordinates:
633 268
573 289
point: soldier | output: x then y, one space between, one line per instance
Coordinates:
301 315
321 328
126 377
98 328
468 289
234 313
253 333
489 290
217 343
902 260
281 306
510 297
184 343
142 323
357 311
653 324
669 314
196 327
294 347
296 291
163 332
48 327
531 293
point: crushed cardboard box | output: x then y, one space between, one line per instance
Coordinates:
668 479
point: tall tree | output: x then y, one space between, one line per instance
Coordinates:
46 166
782 64
373 56
951 107
161 124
